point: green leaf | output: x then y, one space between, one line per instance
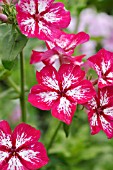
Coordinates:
8 64
4 73
66 129
11 44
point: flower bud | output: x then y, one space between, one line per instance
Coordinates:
3 18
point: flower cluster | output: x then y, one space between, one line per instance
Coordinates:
100 107
59 90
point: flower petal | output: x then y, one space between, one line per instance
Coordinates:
68 41
81 93
64 110
34 156
107 126
105 96
102 62
24 135
70 75
94 122
57 15
27 6
41 98
92 104
45 57
109 112
48 77
44 4
46 31
77 60
26 23
14 164
3 156
75 40
5 134
36 57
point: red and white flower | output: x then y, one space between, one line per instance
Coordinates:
61 91
102 62
100 114
61 49
20 149
42 18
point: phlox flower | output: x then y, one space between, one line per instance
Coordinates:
42 18
102 63
20 149
61 91
100 113
61 49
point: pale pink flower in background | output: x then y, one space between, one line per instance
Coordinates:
88 48
71 27
107 43
16 114
96 25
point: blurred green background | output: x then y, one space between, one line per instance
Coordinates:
80 150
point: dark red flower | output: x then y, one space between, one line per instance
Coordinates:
102 62
61 49
42 18
61 91
100 114
20 149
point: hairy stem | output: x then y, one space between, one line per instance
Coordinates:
22 96
54 136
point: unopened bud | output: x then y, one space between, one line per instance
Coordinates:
3 18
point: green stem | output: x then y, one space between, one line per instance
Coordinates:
16 27
54 136
13 84
22 96
5 93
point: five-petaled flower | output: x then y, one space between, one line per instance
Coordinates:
20 149
102 62
61 91
42 18
61 49
100 114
